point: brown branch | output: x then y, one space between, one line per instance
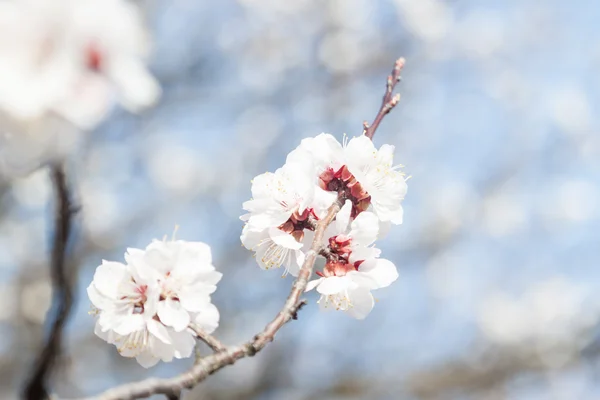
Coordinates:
389 100
214 362
36 386
211 341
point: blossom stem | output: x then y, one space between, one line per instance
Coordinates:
211 341
214 362
36 386
389 100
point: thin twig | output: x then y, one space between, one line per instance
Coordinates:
214 362
389 100
36 387
211 341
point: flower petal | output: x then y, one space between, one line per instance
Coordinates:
127 324
193 300
362 302
284 239
146 359
171 313
208 318
108 276
183 344
342 219
383 272
313 284
334 284
159 331
364 228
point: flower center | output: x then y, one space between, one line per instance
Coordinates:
297 223
342 181
93 57
138 298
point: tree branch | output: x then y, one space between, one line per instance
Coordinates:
214 362
211 341
389 100
36 387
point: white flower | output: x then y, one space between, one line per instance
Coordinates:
351 239
352 269
276 196
359 171
280 212
349 289
275 248
125 296
146 306
70 57
375 172
186 279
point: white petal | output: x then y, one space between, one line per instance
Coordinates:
251 239
284 239
193 300
138 88
194 252
183 344
134 255
171 313
361 253
386 154
102 334
260 185
264 220
322 201
108 276
325 150
333 285
360 152
342 219
382 271
208 318
362 303
162 350
146 359
98 300
313 284
365 228
128 324
297 262
159 331
158 257
210 278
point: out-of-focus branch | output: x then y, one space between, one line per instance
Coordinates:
211 364
389 99
36 387
210 340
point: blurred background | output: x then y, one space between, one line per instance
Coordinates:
498 296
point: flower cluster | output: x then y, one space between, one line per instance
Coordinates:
146 306
70 58
286 206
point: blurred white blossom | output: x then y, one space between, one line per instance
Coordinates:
353 268
71 57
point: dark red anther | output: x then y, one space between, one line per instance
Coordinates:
94 58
